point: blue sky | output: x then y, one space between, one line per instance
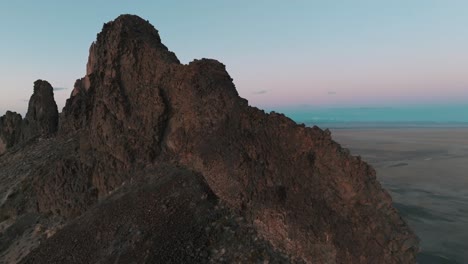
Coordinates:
281 54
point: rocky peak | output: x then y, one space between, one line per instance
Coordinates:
122 92
10 130
42 116
42 106
123 41
123 62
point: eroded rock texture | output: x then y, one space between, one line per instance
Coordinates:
41 119
306 198
10 130
42 116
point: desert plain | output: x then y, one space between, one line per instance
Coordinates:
426 172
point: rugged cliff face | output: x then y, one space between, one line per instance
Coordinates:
304 197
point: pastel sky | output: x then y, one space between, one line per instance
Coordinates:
280 54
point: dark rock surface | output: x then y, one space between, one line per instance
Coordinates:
42 116
28 176
304 197
41 119
172 217
10 130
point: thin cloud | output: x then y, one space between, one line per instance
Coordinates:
331 92
261 92
60 89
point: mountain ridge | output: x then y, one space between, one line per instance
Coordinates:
138 107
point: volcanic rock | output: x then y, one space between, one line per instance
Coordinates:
42 116
151 155
126 228
41 119
10 130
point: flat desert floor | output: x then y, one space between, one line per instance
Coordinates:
426 172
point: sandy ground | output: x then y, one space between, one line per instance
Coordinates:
426 172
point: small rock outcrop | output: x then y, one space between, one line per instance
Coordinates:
42 116
160 147
41 119
10 130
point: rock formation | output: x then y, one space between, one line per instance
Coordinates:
10 130
154 154
42 116
41 119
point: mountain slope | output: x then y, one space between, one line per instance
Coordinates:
139 107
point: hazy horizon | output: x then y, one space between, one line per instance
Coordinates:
431 115
417 115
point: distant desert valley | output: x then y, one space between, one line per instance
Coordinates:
424 170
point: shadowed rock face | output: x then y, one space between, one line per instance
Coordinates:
10 130
126 228
138 106
42 116
41 119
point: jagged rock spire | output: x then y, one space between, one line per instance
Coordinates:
41 119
